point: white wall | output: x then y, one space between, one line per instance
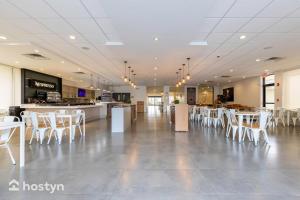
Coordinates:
138 94
291 89
247 92
10 86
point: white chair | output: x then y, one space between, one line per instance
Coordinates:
57 129
38 129
219 118
193 113
232 123
201 113
76 122
256 128
295 116
26 118
5 136
278 114
207 120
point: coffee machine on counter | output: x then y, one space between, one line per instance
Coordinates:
53 97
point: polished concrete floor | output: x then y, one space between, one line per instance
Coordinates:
152 162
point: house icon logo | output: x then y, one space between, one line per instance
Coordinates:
13 185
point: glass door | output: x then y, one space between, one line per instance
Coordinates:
269 91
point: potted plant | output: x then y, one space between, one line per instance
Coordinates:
176 101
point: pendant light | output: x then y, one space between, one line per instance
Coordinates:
125 77
134 85
129 81
132 82
188 77
92 83
177 85
183 77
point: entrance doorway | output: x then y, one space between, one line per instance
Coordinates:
269 91
155 105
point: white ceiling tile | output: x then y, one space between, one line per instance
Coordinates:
8 11
69 8
230 25
220 7
95 8
280 8
58 26
30 25
209 24
246 8
34 8
106 25
85 26
258 25
285 25
218 38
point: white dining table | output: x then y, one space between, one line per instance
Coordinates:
21 125
241 116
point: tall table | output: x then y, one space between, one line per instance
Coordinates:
21 125
240 121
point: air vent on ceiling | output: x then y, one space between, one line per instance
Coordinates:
225 76
36 56
273 59
80 72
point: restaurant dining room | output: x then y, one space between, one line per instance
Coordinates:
129 99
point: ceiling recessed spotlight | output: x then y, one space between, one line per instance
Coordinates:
266 70
58 74
231 70
229 81
42 69
3 37
17 62
72 37
81 81
155 68
155 79
206 81
156 39
62 62
79 69
244 77
198 43
257 60
216 76
155 58
36 51
242 37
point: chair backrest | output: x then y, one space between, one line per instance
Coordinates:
52 119
298 112
220 112
26 117
263 119
62 112
228 115
34 120
78 115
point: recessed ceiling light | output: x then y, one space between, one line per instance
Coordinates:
17 62
3 37
229 81
257 60
155 79
155 58
72 37
42 69
206 81
198 43
62 62
58 74
79 68
114 43
242 37
266 70
231 70
155 68
156 39
36 51
216 77
244 77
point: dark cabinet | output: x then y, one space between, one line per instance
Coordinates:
121 97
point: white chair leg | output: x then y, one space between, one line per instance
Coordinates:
282 120
60 133
50 135
234 130
32 134
80 130
11 155
42 135
255 136
276 121
266 136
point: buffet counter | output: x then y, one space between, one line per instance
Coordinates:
92 112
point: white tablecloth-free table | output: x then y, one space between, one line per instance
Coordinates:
21 125
241 116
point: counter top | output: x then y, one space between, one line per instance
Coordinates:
59 107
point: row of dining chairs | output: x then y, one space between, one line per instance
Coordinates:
52 124
207 116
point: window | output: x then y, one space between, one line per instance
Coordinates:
269 91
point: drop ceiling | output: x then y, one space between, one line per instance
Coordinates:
45 26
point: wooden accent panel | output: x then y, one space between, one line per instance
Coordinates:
181 117
140 106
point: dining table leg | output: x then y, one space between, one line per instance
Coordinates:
240 129
22 144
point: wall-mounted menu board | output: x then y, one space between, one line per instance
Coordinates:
228 94
34 85
121 97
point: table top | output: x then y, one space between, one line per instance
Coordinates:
9 124
244 113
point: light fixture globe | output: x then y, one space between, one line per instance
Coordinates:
179 83
188 77
125 79
183 80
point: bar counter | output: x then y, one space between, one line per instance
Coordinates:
92 112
